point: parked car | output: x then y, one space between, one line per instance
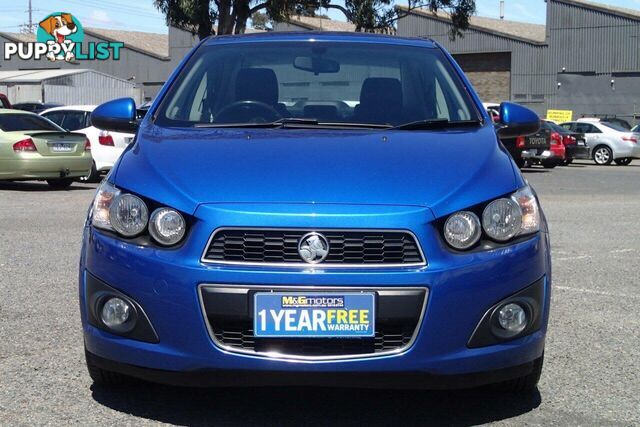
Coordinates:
4 101
541 148
34 107
239 245
613 120
607 141
106 146
34 148
575 144
636 129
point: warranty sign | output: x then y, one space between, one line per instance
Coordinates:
346 315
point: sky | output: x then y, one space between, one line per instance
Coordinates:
140 15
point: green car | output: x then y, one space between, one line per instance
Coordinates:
34 148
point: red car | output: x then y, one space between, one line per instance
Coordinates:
557 146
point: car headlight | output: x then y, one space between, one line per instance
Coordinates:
101 204
167 226
129 215
530 210
505 218
502 220
462 230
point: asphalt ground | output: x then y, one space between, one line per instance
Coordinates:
592 367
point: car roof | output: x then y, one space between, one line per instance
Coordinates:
71 107
15 111
311 36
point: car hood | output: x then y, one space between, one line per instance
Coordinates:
443 170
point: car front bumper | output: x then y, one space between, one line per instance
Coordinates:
461 288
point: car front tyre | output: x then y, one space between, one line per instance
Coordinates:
60 184
624 161
103 377
602 155
524 384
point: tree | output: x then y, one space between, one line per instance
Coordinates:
231 16
260 21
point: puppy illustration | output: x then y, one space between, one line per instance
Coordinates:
60 26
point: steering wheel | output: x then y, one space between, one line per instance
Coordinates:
249 111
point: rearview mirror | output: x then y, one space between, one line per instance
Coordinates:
118 115
516 120
316 64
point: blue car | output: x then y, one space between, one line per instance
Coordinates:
316 209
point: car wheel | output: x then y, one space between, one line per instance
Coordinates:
602 155
60 184
102 376
524 384
549 164
93 177
520 163
624 161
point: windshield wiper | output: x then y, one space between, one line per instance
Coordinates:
280 123
296 122
435 124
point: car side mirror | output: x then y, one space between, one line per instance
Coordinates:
118 115
516 120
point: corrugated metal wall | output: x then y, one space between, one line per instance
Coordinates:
581 39
527 66
86 88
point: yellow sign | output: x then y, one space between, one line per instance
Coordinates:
560 116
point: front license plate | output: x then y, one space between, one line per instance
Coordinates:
314 315
64 148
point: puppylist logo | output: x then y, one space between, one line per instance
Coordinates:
60 37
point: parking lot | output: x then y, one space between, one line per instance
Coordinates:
592 366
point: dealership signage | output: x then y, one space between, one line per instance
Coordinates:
60 37
560 116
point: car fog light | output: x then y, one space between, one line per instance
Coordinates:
462 230
115 312
512 318
129 215
501 219
167 226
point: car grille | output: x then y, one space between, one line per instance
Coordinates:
388 338
228 311
346 247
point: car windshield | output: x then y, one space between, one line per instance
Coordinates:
19 122
559 128
311 84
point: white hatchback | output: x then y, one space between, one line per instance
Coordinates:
608 141
106 147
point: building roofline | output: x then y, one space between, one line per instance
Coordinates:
431 15
613 10
95 32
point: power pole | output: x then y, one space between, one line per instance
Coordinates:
30 27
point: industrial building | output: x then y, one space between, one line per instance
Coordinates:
144 60
65 86
586 58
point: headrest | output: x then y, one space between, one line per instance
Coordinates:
257 84
381 92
